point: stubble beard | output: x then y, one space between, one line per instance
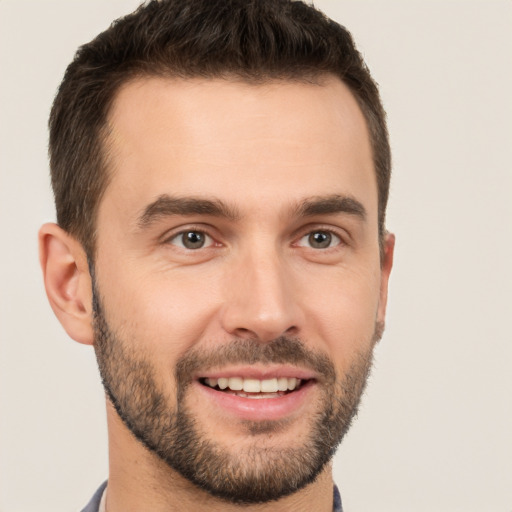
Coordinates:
166 427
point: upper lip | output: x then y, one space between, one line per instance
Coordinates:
260 372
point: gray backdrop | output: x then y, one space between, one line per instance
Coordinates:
435 429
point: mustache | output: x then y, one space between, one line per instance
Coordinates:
282 350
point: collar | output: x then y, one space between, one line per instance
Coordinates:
101 495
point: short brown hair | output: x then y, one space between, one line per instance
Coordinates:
252 40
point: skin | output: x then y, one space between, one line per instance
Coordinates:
261 150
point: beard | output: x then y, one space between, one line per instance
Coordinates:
162 422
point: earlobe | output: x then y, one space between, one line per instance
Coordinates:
67 281
386 266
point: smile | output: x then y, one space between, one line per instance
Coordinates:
254 388
258 394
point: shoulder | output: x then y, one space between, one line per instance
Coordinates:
94 504
336 505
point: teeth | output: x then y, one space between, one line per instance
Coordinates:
292 383
211 382
282 384
255 385
236 383
257 396
223 383
252 385
269 386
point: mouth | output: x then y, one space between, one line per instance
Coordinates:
271 388
257 394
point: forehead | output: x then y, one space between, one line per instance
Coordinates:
276 141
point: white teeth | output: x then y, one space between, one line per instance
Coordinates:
223 383
282 384
254 385
257 396
269 386
236 383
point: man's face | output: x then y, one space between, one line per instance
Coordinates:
239 291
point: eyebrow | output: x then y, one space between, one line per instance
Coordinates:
166 205
332 204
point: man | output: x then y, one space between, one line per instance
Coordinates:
221 173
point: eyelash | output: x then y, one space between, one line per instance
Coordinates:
304 233
191 229
332 234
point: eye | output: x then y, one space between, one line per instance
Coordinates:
191 239
320 239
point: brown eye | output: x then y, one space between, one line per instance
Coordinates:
191 240
320 240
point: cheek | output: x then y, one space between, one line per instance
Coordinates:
165 313
343 310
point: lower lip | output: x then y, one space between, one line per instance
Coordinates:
259 409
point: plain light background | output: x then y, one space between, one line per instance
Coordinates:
435 429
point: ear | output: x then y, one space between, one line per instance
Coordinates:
386 266
67 281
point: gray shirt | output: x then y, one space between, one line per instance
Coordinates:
94 504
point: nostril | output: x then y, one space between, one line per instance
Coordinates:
264 336
292 331
244 334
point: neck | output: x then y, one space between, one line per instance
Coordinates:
140 480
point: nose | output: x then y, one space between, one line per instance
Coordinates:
260 300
